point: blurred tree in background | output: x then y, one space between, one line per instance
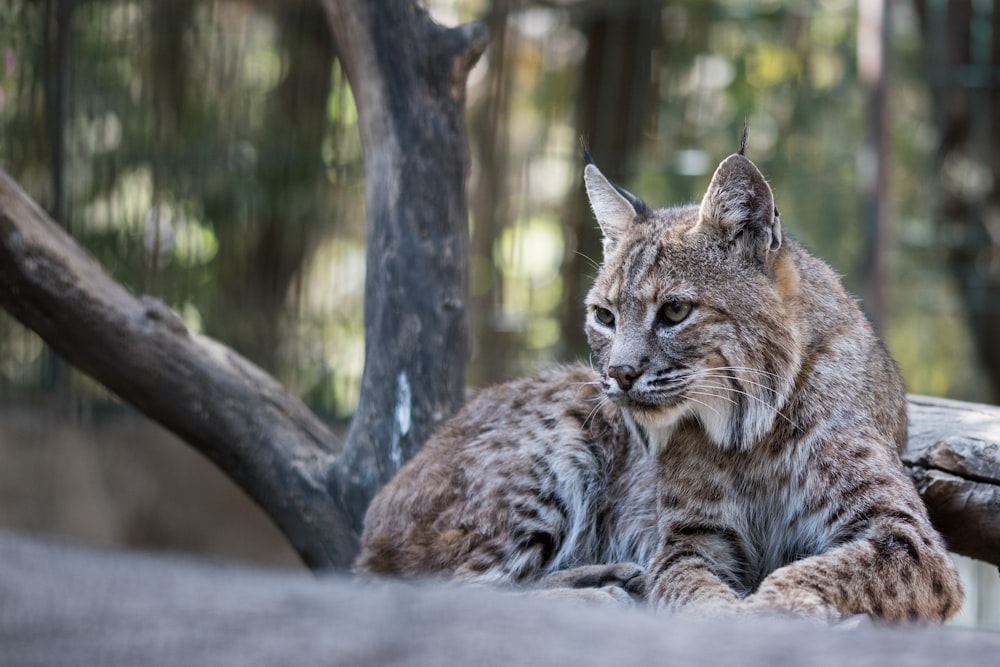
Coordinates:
207 153
961 54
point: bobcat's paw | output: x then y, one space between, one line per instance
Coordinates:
627 576
800 604
712 608
615 596
854 622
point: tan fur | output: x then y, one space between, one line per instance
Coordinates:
737 442
786 278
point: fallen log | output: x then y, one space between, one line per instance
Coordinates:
953 457
68 606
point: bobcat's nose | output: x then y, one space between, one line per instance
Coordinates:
625 375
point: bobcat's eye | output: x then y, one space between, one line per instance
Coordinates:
604 316
674 312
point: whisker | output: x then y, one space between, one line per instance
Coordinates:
733 373
590 383
594 264
744 368
712 373
708 393
710 407
756 398
600 404
709 374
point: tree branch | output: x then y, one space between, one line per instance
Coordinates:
266 440
408 75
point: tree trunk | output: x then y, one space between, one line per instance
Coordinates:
612 109
491 203
408 75
409 78
262 261
962 54
873 52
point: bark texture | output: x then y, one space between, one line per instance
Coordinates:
954 459
408 76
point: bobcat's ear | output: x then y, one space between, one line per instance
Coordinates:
614 207
739 208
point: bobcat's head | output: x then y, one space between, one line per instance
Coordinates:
690 315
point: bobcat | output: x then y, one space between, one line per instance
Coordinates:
735 451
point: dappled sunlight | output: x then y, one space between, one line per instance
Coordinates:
20 355
328 342
170 199
932 318
124 207
529 254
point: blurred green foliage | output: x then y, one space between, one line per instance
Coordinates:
211 158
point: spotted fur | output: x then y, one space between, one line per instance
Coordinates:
531 478
738 438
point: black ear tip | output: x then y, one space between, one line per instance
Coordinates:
743 140
641 208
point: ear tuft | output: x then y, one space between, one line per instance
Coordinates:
587 158
744 138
